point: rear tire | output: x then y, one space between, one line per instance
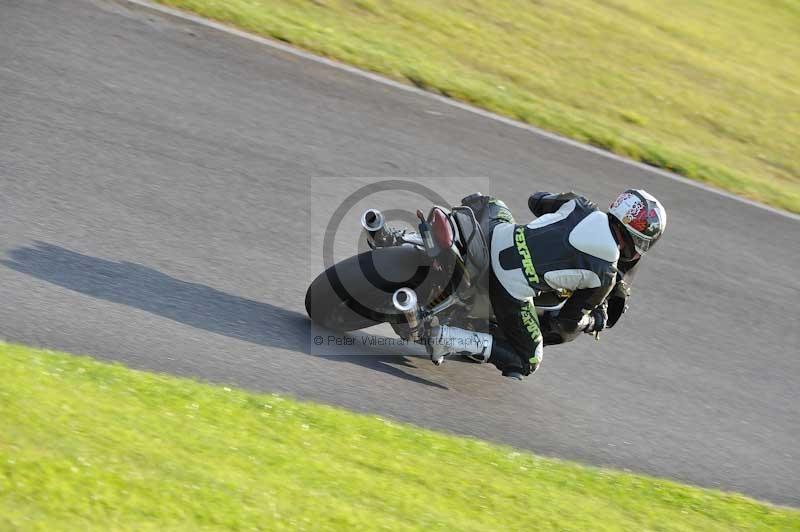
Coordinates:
357 292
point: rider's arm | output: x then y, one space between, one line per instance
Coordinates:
544 202
583 311
617 302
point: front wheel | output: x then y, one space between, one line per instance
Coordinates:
357 292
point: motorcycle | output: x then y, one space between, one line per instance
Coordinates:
412 280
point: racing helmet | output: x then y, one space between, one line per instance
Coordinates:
642 216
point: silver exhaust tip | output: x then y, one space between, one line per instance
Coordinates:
372 220
405 300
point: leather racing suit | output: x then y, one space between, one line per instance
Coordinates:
568 251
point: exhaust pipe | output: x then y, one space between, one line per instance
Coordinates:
373 222
405 300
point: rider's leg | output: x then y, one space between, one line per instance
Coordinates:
521 352
445 340
517 355
507 360
482 347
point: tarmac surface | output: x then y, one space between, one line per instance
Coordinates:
163 187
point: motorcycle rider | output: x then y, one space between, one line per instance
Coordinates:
571 250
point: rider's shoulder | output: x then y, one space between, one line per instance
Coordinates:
592 235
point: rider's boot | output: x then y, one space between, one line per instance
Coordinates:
445 340
506 359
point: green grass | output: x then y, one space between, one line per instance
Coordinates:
86 445
707 88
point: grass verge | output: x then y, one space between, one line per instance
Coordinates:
87 445
706 89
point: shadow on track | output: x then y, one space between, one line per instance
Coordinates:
192 304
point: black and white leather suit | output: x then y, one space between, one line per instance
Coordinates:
569 251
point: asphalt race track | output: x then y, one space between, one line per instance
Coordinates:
156 183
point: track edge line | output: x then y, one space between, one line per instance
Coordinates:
297 52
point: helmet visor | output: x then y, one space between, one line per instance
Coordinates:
641 244
646 226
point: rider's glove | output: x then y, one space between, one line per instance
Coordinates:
597 320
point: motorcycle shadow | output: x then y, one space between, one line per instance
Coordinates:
193 304
387 360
